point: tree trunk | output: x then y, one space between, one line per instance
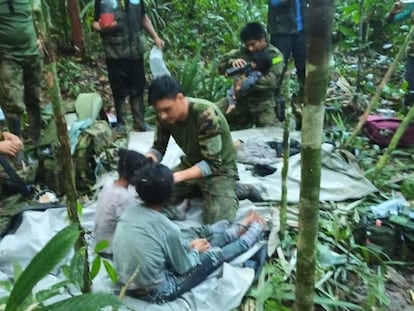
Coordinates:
68 178
319 31
286 151
77 30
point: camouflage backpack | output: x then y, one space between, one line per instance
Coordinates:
90 144
94 141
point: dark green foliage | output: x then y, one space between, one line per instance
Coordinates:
46 260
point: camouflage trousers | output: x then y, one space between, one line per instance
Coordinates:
247 115
218 195
20 83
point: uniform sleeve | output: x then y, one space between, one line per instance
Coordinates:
227 60
161 137
180 258
209 139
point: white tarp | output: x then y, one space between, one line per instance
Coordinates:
226 288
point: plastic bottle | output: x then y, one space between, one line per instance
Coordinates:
107 14
157 64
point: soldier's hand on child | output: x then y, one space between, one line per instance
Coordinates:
201 245
238 63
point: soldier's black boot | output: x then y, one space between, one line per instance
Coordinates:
120 128
246 191
14 125
138 113
35 124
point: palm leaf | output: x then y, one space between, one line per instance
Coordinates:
51 255
86 302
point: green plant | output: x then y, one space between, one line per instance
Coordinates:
98 261
21 296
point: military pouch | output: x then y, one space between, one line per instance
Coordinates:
280 108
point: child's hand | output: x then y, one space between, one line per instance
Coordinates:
230 108
201 245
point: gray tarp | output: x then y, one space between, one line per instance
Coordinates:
222 291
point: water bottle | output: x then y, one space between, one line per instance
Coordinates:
107 15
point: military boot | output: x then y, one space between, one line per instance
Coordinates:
119 109
35 124
138 114
14 125
246 191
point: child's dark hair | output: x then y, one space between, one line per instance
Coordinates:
129 162
252 31
154 183
164 87
263 61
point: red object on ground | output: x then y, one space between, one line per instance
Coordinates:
380 130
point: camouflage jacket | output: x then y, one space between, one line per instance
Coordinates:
203 136
264 88
17 30
125 41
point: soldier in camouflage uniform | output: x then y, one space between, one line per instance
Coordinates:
208 166
256 108
124 48
20 66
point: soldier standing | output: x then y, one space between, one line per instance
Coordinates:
20 67
124 49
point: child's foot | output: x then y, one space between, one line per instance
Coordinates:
238 228
254 232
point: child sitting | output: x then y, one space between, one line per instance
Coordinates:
151 253
115 196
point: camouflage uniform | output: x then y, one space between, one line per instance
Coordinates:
20 66
256 108
204 136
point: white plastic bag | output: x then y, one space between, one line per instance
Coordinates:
157 64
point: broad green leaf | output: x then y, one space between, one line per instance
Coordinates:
110 270
50 256
6 284
17 270
79 209
52 291
76 268
96 266
86 302
101 245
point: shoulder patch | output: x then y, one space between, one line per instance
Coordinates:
277 60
